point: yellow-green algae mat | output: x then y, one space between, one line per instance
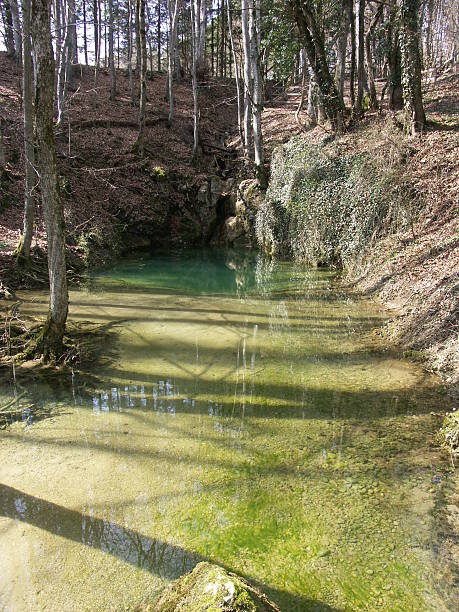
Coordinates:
247 416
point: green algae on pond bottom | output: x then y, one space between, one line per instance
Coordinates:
250 419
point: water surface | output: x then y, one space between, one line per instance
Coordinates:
249 415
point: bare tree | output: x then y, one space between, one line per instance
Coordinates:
27 87
257 98
172 8
17 33
111 54
236 70
50 342
247 79
140 10
195 42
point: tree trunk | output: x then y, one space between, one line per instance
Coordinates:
137 40
8 25
313 41
140 9
63 71
96 33
173 6
17 34
27 80
411 66
158 35
195 41
247 79
351 18
236 71
341 51
370 61
129 51
73 34
85 34
111 53
51 339
2 147
358 107
201 34
257 103
222 40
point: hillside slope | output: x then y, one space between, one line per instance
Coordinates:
112 198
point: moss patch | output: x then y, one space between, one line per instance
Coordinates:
211 588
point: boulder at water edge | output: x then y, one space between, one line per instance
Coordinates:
210 588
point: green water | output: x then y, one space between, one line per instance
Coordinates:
246 413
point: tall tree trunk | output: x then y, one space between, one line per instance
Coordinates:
27 88
312 99
257 103
411 66
358 107
394 61
63 71
236 70
53 332
8 25
140 9
85 34
313 41
222 40
57 14
341 51
137 41
370 61
17 34
129 51
96 33
73 33
351 18
173 6
158 35
195 34
247 80
201 38
111 52
2 147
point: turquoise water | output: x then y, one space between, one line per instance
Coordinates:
247 413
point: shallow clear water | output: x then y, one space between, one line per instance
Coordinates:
246 414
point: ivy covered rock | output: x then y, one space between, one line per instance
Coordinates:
324 207
210 588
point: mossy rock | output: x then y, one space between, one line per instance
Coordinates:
211 588
449 433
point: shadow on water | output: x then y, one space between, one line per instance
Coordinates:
164 559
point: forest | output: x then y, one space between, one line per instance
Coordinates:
229 273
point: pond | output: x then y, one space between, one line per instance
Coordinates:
247 413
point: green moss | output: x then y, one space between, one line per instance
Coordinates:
449 433
326 208
211 588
